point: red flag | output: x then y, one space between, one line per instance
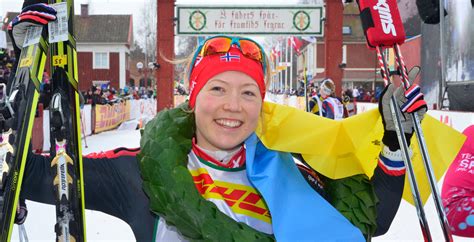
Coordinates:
277 50
273 54
296 43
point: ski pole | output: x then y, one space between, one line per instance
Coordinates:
22 233
424 152
395 109
83 131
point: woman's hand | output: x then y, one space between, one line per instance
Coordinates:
409 101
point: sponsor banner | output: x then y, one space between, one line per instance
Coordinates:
142 108
86 120
110 116
46 143
135 109
149 108
456 120
363 107
3 40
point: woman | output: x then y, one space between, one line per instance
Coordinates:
458 189
221 155
325 104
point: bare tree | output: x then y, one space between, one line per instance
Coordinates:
146 32
184 46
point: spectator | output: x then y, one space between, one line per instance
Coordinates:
88 96
97 97
355 93
378 92
350 106
45 91
325 104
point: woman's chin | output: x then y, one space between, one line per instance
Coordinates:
228 144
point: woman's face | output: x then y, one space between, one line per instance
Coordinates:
227 111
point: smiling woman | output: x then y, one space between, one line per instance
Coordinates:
235 173
206 175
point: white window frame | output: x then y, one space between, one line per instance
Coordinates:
103 65
344 54
346 30
100 82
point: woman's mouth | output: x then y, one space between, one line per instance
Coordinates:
227 123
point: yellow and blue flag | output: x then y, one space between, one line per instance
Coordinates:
343 148
298 212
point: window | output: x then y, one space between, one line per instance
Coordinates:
346 30
101 60
100 83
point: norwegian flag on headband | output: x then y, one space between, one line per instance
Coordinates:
228 57
296 43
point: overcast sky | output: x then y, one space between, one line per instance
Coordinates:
133 6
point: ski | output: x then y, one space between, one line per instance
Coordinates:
65 127
17 111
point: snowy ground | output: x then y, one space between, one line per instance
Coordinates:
102 227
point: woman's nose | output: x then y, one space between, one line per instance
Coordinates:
233 103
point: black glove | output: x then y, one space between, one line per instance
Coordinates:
409 101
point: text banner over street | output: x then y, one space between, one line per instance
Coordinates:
250 20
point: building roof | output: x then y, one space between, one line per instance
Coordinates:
99 28
103 28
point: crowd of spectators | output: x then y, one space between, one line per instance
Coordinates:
359 93
6 65
105 94
362 95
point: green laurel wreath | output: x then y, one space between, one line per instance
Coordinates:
165 144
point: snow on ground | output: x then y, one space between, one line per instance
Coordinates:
102 227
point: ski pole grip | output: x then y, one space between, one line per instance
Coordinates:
382 23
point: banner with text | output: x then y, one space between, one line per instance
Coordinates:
108 117
267 20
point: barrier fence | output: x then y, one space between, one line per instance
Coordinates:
97 119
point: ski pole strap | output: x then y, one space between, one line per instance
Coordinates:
381 22
414 101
